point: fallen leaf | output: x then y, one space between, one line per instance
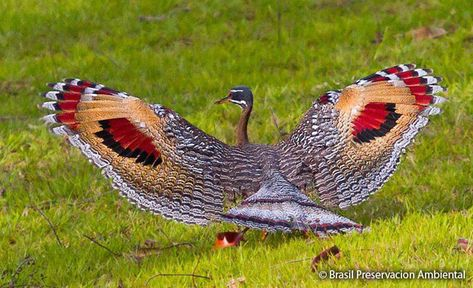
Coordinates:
150 243
229 239
324 256
423 33
235 283
465 245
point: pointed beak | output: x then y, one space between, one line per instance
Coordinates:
224 100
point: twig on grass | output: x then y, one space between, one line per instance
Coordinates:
142 252
193 275
151 18
101 245
50 224
178 275
28 260
173 245
195 268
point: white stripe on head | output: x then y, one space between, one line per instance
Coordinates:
236 90
239 102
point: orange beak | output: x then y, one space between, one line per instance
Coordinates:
225 99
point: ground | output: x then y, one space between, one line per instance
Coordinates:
185 55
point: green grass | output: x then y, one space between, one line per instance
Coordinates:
187 59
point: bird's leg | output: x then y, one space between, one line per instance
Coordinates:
264 235
228 239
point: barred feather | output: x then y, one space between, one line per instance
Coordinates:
351 145
346 146
279 205
144 149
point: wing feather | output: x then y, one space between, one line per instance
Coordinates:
349 144
155 158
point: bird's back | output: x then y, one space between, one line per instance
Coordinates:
245 167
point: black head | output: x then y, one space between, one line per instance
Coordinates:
240 95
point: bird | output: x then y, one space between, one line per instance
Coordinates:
345 147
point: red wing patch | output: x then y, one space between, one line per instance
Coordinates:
126 140
376 120
83 87
120 134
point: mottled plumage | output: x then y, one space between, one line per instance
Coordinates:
346 146
349 142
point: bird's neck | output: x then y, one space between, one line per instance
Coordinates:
242 133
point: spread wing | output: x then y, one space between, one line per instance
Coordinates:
349 142
154 157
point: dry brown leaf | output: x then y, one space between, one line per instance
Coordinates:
235 283
423 33
150 243
229 239
465 245
324 256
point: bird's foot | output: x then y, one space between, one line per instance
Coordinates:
229 239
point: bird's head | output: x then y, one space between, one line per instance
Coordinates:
240 95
